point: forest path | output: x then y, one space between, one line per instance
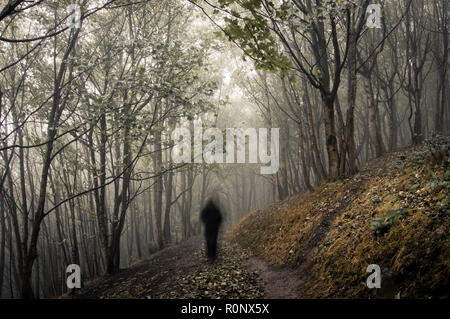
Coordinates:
278 283
182 271
148 278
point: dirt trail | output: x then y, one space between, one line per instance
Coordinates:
279 283
180 271
149 278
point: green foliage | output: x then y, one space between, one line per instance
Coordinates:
252 33
382 225
255 26
436 153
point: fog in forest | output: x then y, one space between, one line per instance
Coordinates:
91 95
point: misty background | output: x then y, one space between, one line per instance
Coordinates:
86 116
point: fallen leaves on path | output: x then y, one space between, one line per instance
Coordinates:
226 278
181 272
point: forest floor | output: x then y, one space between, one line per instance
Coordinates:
395 212
288 280
182 271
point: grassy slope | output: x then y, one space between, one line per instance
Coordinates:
394 213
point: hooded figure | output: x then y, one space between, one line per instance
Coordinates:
211 218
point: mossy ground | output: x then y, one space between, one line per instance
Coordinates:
394 213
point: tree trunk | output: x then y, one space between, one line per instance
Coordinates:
331 140
373 124
2 240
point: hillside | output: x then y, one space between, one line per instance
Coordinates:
394 213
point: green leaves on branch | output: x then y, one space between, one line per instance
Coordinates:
253 35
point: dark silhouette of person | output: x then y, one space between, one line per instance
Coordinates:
211 218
